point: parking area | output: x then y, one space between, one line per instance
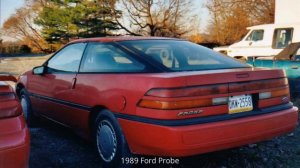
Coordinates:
54 146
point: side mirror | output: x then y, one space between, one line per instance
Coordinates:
40 70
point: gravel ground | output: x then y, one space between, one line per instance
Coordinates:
53 146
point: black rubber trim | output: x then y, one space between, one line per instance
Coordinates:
181 122
87 108
202 120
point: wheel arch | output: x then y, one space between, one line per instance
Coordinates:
19 87
93 114
95 111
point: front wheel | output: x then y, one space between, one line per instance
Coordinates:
110 141
31 119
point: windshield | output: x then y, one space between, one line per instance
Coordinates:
179 55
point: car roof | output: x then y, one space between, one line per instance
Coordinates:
275 26
120 38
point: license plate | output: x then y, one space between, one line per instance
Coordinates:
238 104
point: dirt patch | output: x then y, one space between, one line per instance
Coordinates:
17 66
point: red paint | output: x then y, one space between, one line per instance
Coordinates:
196 139
121 93
14 143
14 134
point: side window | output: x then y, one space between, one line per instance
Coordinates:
255 35
107 58
297 56
68 59
282 37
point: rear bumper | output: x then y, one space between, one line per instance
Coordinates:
179 141
14 143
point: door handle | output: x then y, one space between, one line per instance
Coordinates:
250 43
294 67
73 83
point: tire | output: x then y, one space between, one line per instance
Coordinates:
110 142
30 118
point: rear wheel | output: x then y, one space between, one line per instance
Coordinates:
110 141
31 119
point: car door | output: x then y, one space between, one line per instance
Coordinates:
52 92
255 42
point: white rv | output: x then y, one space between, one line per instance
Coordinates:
269 39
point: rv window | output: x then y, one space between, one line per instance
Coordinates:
282 37
255 35
297 56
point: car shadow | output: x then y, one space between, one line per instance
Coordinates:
54 146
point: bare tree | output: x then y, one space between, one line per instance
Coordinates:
156 17
20 26
231 17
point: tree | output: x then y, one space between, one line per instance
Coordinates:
20 26
231 17
196 38
1 47
66 19
24 49
156 17
98 20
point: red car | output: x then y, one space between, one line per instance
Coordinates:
14 134
157 96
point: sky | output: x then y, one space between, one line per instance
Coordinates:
8 8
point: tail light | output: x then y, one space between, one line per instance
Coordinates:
7 78
9 106
185 92
7 97
275 93
189 91
155 95
257 85
184 104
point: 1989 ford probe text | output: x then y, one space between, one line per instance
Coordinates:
148 161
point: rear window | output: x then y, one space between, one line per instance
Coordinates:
183 55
